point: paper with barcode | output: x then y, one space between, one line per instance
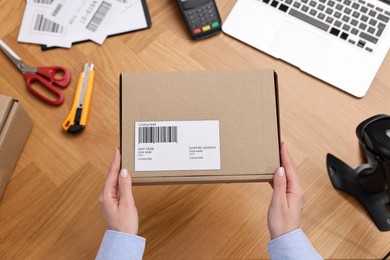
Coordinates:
61 23
36 28
177 145
91 18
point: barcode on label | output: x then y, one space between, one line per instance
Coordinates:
157 134
98 17
57 9
45 2
41 24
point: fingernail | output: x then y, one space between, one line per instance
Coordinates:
281 171
124 173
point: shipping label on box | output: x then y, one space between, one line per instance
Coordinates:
177 145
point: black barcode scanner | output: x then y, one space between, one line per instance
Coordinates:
370 182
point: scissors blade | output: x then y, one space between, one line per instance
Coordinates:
15 58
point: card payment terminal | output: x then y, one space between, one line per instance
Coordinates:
201 17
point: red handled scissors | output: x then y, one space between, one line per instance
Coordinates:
48 77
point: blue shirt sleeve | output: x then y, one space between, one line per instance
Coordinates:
292 245
120 246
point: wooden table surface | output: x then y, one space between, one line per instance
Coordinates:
50 208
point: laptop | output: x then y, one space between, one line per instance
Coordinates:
342 42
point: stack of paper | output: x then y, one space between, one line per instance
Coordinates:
60 23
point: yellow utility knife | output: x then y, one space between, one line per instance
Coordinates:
77 118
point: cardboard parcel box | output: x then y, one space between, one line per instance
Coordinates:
15 126
199 127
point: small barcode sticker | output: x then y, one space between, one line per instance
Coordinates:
157 134
99 16
41 24
45 2
159 147
57 10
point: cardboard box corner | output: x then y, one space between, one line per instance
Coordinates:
15 127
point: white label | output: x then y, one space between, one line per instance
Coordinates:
177 145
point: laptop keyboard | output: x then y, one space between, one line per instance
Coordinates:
356 21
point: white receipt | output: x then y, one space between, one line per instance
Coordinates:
177 145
